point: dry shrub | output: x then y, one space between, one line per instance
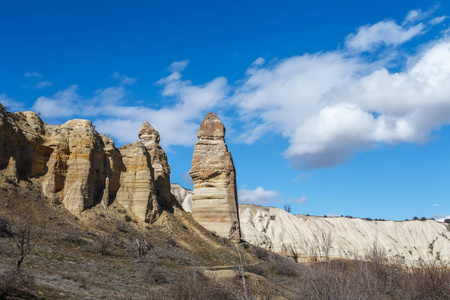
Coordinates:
5 227
195 285
260 253
15 281
74 238
104 242
431 280
174 255
156 274
282 265
256 269
140 248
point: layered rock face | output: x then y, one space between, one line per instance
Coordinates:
214 201
81 168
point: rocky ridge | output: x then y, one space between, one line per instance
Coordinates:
80 168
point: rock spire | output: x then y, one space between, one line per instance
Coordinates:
214 202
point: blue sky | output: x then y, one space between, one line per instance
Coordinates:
334 107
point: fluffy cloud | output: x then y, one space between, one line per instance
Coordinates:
177 123
261 196
331 105
62 104
388 33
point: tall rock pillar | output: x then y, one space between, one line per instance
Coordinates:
214 203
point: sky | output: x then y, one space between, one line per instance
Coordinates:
331 107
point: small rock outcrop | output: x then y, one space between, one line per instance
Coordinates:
214 202
80 168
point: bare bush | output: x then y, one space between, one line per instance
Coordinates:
140 248
14 281
256 269
74 238
260 253
24 239
174 254
156 274
196 286
104 243
283 265
431 280
5 227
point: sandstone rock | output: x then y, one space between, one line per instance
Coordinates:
137 186
81 168
214 202
149 137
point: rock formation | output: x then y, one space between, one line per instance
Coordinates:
214 202
149 137
81 168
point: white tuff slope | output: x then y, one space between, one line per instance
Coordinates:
279 231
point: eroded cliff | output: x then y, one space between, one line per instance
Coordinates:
79 167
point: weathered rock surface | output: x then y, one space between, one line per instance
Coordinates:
279 231
214 201
294 235
137 191
81 168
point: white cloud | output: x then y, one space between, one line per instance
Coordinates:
443 218
302 200
63 104
331 105
387 33
332 215
124 80
32 74
178 66
438 20
435 205
301 177
257 196
43 84
177 124
11 104
261 196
